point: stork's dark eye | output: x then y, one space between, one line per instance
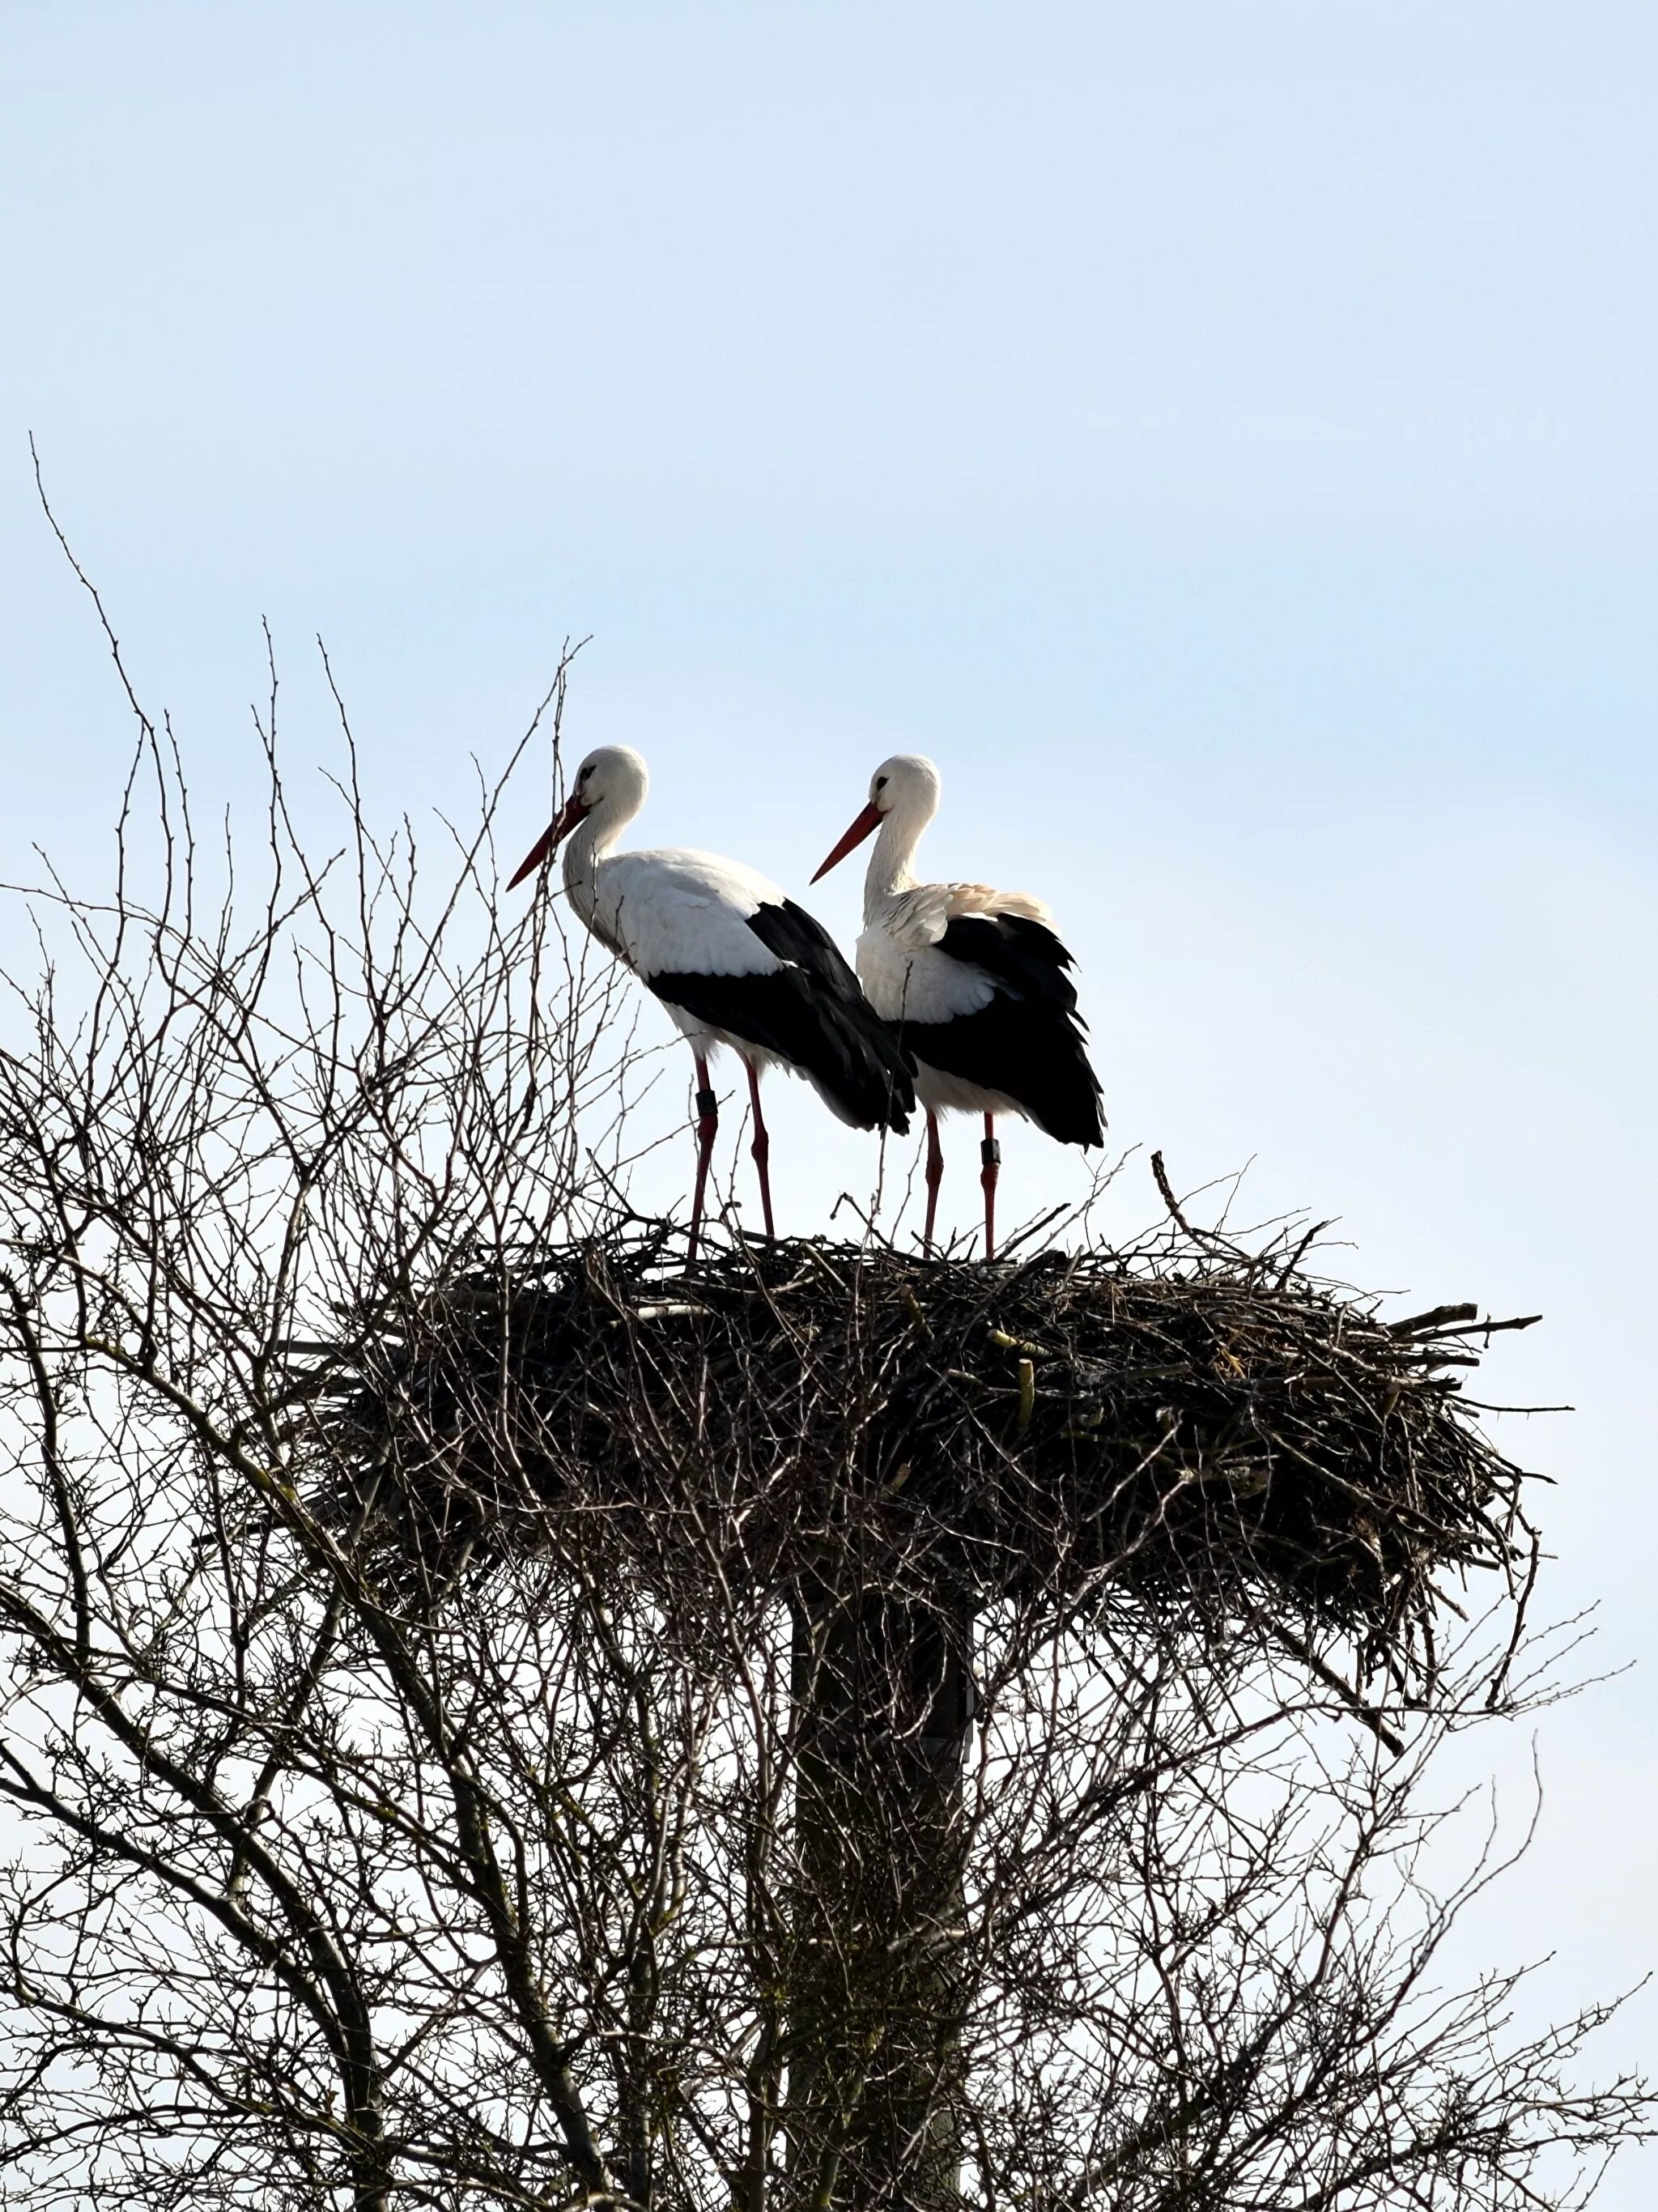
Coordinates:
585 774
880 783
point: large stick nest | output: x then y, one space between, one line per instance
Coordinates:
1179 1425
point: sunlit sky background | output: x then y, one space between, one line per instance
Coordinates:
1223 436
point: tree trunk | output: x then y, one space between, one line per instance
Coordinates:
883 1697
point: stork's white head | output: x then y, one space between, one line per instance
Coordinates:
904 793
613 777
609 787
907 784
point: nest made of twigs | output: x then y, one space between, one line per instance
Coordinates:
1177 1426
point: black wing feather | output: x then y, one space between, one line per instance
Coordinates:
1027 1041
813 1013
1025 957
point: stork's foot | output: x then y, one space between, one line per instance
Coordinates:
708 1128
990 1153
760 1151
935 1176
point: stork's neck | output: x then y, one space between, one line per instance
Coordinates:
586 850
889 871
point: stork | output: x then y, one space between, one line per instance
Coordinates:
976 984
734 961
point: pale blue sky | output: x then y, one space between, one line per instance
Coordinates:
1222 436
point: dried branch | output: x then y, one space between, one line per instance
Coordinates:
492 1717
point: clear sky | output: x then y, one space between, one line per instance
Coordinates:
1223 436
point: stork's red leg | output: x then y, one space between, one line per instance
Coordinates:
761 1146
707 1123
935 1176
991 1153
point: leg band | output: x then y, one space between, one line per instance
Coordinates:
707 1104
990 1152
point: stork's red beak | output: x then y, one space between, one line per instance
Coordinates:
550 840
867 822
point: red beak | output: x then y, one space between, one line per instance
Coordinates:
867 823
550 840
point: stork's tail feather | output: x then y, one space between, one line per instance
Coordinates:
860 1070
833 1037
1033 1054
866 1075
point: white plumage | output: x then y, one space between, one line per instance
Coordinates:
668 910
735 963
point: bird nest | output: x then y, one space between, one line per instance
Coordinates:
1182 1426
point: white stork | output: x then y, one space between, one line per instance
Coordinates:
976 984
734 961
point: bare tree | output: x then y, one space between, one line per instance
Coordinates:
495 1718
